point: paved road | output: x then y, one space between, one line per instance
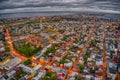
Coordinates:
104 54
13 51
118 76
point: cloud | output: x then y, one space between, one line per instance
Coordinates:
13 6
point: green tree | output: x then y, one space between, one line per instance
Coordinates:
54 77
63 61
46 78
28 62
6 44
116 44
50 50
7 49
95 68
48 73
27 49
81 67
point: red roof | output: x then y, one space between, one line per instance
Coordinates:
17 68
46 69
100 66
58 78
63 74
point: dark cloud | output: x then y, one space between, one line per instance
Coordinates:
3 0
13 6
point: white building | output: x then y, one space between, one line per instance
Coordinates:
2 48
40 75
26 68
11 64
37 67
69 64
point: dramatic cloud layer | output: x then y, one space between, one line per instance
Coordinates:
14 6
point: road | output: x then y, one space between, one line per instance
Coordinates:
118 76
82 51
104 54
13 51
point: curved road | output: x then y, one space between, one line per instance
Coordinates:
13 51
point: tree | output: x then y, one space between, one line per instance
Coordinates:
48 73
87 54
28 62
54 77
7 49
63 61
46 78
116 44
27 49
95 68
6 44
81 67
50 50
19 74
76 41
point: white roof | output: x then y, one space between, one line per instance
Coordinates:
97 78
26 68
37 67
88 76
11 73
41 73
74 74
72 78
99 62
68 64
2 49
110 65
13 63
3 78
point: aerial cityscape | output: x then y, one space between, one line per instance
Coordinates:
59 40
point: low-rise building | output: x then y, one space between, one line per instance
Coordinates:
12 63
37 67
26 68
40 75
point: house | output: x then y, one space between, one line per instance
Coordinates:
2 48
40 75
9 75
1 29
69 64
37 67
26 68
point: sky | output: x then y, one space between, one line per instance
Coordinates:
19 6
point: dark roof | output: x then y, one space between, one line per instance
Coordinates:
118 27
112 70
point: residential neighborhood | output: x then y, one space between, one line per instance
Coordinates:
68 47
